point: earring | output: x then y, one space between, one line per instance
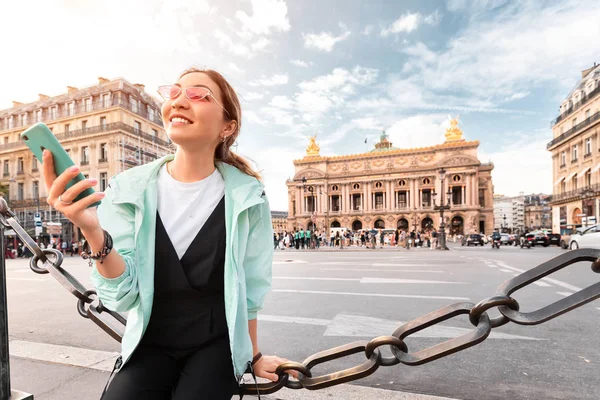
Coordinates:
224 139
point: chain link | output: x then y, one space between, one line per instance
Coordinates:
113 323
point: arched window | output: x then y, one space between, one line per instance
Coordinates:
426 181
456 178
356 186
378 184
335 188
402 183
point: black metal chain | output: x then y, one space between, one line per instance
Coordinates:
114 323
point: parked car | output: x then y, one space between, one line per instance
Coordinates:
589 238
566 232
474 239
555 239
538 238
505 239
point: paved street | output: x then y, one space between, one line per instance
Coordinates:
328 298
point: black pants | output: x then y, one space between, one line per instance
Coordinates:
158 374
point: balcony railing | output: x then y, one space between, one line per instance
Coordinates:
75 134
575 194
577 105
65 112
586 122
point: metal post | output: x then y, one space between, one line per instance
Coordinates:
5 392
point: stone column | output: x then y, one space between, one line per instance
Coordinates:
368 205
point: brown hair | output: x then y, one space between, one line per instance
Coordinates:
231 103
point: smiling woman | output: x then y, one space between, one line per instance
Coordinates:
192 239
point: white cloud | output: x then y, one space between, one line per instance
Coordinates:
250 96
324 41
300 63
517 96
421 52
418 131
267 16
275 80
236 48
260 44
278 116
508 176
410 22
368 123
233 67
488 60
251 116
281 102
324 92
368 30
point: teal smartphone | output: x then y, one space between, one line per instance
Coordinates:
38 138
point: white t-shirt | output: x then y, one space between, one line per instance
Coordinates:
184 207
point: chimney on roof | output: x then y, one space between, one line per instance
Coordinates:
139 86
71 89
102 81
43 96
17 103
587 71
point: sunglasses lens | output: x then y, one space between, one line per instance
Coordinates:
169 91
196 93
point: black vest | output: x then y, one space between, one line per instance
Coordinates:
189 307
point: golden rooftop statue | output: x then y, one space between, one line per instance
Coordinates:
313 148
454 133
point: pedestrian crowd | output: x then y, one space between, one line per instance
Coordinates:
301 239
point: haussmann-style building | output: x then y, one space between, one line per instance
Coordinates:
106 128
575 152
391 188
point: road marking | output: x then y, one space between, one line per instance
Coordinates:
365 280
598 308
382 270
506 270
289 262
26 279
549 280
309 278
403 265
565 293
77 356
542 284
389 280
362 326
403 296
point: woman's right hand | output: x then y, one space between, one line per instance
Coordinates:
77 212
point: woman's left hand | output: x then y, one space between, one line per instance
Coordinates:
266 366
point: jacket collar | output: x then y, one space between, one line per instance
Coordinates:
130 185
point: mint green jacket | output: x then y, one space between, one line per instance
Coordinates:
128 213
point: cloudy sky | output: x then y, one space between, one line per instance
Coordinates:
341 69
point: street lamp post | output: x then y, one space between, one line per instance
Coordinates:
441 208
37 200
504 218
312 198
586 194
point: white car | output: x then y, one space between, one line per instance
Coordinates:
589 238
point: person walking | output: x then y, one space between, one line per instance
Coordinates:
434 240
159 245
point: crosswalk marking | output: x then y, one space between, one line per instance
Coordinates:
403 296
542 284
383 270
565 293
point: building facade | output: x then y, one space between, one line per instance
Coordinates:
575 149
279 220
393 188
538 212
105 128
509 214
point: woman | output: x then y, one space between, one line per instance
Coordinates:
192 254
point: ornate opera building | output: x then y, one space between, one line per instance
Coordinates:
391 188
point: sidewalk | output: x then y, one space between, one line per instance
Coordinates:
52 381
